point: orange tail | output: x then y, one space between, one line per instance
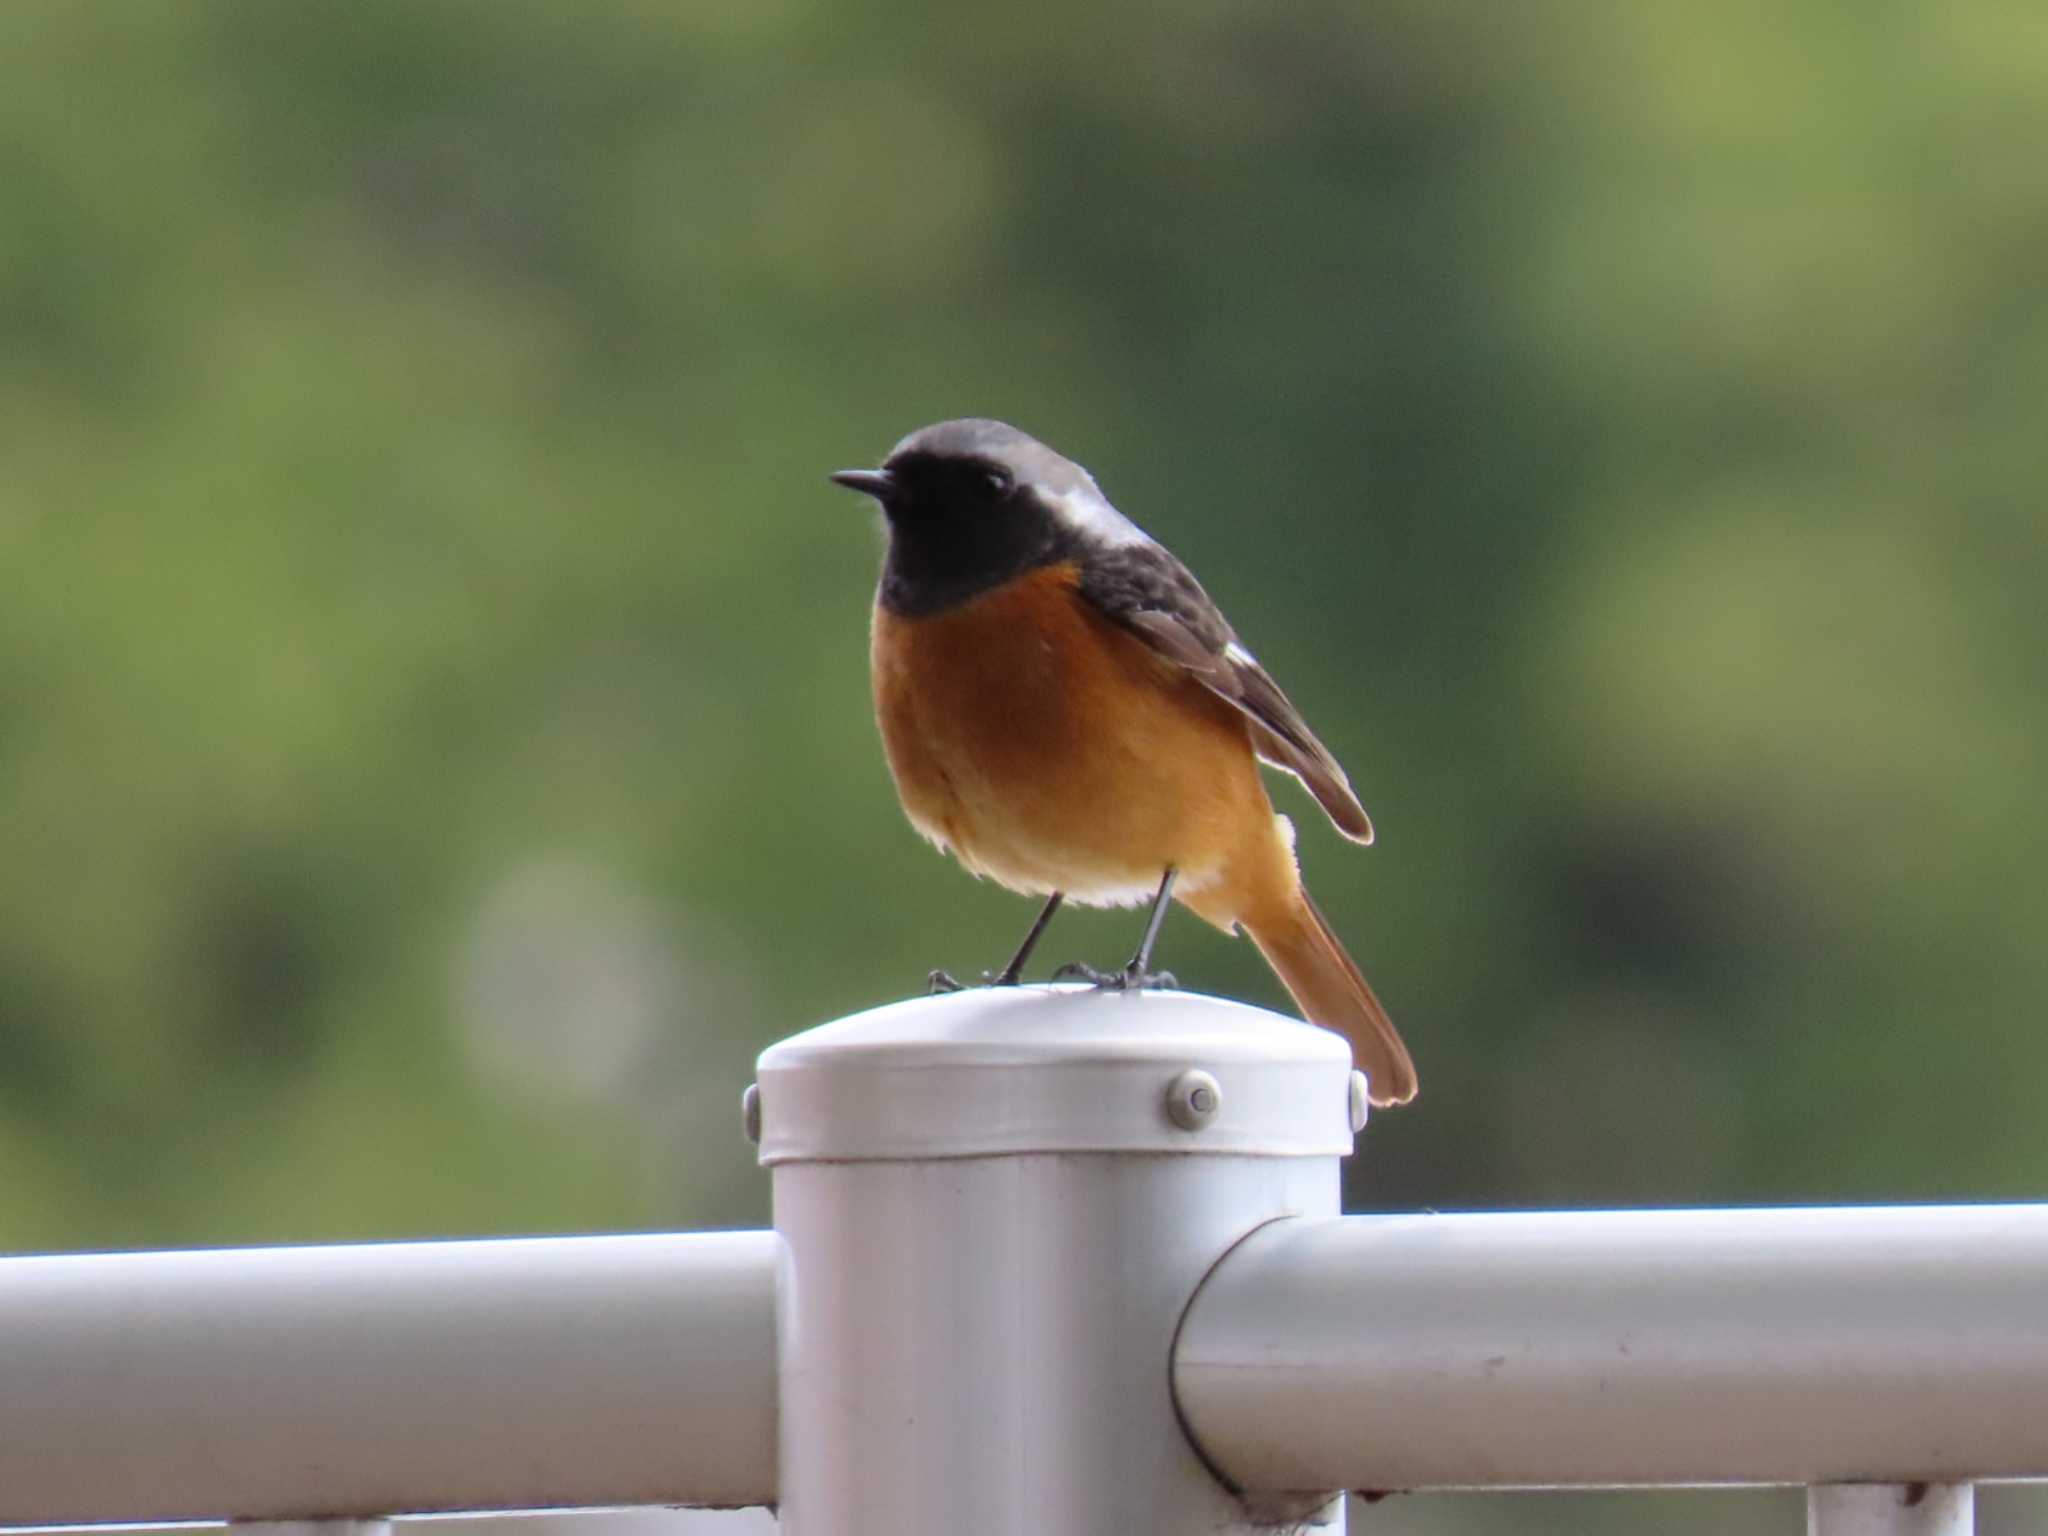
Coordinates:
1331 992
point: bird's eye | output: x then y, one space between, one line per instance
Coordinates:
998 482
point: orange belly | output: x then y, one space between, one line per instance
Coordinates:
1049 749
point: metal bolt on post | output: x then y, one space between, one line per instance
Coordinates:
750 1112
1192 1099
996 1206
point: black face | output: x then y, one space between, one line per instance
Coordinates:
959 525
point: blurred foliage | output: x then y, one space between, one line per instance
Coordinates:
433 727
434 746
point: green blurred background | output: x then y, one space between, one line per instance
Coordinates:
434 741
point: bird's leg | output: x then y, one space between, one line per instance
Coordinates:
1135 974
942 981
1010 972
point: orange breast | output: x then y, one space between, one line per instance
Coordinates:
1051 750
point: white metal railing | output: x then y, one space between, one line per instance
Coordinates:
373 1379
1061 1261
1599 1349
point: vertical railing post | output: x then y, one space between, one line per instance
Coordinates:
996 1206
1891 1509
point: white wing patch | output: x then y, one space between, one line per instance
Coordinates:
1240 655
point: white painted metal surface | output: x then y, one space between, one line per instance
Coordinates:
1633 1347
312 1528
1891 1509
644 1520
269 1383
1052 1069
977 1339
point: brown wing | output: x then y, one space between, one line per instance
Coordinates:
1148 591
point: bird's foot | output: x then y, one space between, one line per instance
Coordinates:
945 981
1132 978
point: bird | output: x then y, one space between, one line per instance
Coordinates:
1066 712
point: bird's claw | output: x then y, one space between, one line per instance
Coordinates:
945 981
1129 979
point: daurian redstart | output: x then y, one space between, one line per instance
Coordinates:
1067 712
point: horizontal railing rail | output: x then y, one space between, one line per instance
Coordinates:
270 1383
1597 1349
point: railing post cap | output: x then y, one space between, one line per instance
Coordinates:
1009 1070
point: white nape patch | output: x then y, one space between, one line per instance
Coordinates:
1088 511
1237 653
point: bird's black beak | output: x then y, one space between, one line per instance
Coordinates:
869 482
